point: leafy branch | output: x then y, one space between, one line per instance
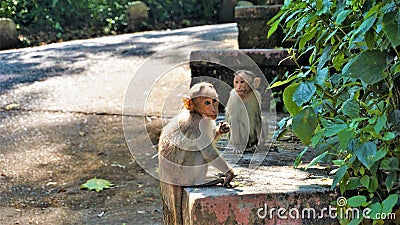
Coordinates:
346 104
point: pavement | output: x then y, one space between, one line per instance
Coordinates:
93 75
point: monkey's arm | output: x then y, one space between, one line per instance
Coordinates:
224 167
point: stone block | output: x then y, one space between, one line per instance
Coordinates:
137 15
227 11
8 34
276 197
253 28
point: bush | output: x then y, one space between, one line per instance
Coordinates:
346 104
55 19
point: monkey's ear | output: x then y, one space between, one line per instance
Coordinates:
187 102
256 82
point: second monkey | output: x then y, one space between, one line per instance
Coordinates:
243 112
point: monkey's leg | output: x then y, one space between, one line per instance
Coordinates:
177 208
172 203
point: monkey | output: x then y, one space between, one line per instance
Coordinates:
243 112
186 148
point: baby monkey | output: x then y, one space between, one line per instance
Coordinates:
243 112
186 148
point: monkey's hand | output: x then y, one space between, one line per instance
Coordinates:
223 127
229 176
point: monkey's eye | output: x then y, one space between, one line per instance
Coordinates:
207 102
214 101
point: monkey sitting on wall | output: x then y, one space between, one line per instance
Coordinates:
186 148
243 112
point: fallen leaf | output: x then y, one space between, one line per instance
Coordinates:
96 184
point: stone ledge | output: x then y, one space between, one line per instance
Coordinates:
264 12
253 28
285 188
262 57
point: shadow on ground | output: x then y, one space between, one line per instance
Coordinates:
67 59
44 164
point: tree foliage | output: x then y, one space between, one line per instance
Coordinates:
88 18
346 102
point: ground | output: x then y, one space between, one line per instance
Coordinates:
61 155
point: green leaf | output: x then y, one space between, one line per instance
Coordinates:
290 105
339 162
391 26
395 68
303 21
96 184
365 181
356 201
316 159
380 154
317 137
390 180
335 128
366 25
388 136
307 36
390 164
304 92
366 154
354 183
54 3
373 184
370 39
299 156
325 57
351 108
344 137
338 61
304 124
279 83
321 76
338 176
323 6
368 66
389 202
273 28
380 123
376 209
342 16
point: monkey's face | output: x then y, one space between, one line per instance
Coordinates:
241 86
206 107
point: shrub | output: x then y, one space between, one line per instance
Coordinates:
346 104
68 19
